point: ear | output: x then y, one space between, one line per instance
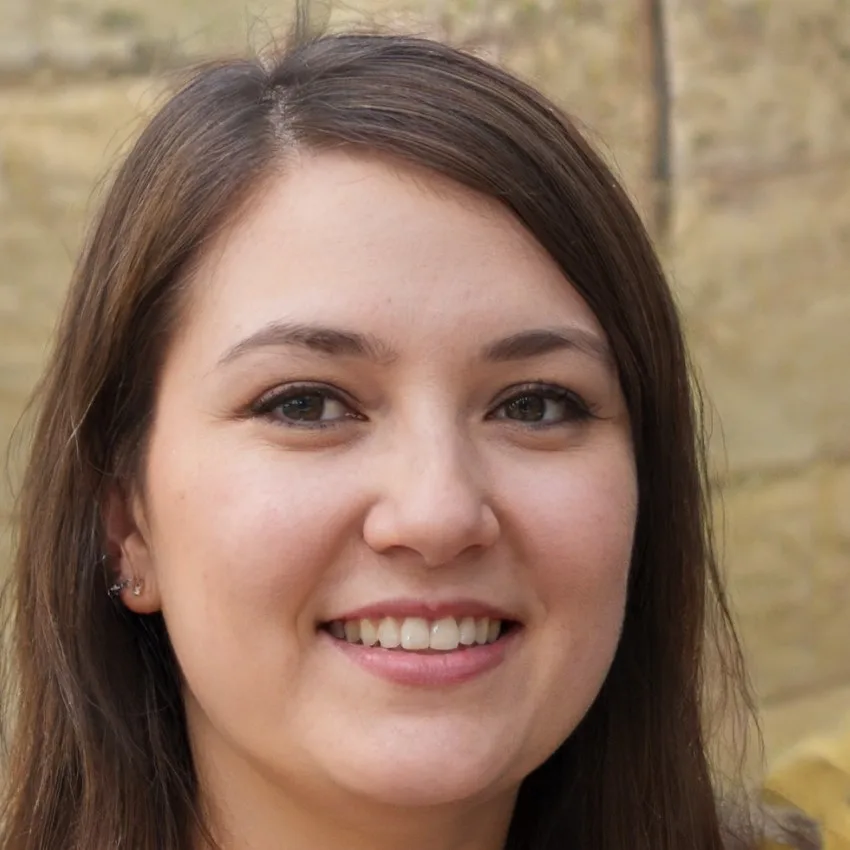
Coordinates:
129 555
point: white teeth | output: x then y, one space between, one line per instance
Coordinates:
445 634
368 633
389 635
467 631
352 631
417 633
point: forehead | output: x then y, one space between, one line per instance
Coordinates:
356 241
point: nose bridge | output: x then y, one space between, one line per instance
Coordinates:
435 498
441 462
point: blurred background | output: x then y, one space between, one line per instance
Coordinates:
729 121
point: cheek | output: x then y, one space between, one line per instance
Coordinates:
244 547
252 530
579 517
578 523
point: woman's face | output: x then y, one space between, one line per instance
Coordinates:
385 403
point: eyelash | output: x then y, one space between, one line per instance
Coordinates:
266 404
576 409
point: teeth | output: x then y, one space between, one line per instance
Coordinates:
493 630
368 633
417 633
445 634
467 631
389 634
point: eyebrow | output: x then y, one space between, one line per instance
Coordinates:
338 342
535 343
335 342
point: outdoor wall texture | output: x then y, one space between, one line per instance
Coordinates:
730 123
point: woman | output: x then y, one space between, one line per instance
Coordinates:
366 507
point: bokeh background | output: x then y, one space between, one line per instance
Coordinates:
729 121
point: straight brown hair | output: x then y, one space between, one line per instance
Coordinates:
98 750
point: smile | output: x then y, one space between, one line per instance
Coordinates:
417 634
418 651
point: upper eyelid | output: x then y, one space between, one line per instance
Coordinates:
531 387
268 400
504 395
305 388
539 388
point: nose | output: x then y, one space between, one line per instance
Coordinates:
432 502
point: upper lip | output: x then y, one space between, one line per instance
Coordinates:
435 610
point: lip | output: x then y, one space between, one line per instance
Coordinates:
428 670
435 610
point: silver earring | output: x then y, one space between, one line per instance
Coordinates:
114 591
136 584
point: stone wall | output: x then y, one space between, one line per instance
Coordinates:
730 122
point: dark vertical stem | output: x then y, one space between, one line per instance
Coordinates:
662 155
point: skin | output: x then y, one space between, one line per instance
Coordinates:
427 481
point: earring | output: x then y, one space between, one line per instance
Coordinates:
136 584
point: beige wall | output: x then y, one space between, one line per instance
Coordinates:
731 124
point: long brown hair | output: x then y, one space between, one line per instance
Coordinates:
98 750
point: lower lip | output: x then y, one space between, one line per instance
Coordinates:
433 669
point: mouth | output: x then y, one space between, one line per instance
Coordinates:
421 635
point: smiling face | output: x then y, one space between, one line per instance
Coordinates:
385 401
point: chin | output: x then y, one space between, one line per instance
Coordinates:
422 777
417 792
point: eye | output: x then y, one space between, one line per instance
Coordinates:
304 406
543 405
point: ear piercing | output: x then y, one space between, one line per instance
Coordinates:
135 583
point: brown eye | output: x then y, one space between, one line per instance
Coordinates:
304 406
534 408
543 406
527 408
